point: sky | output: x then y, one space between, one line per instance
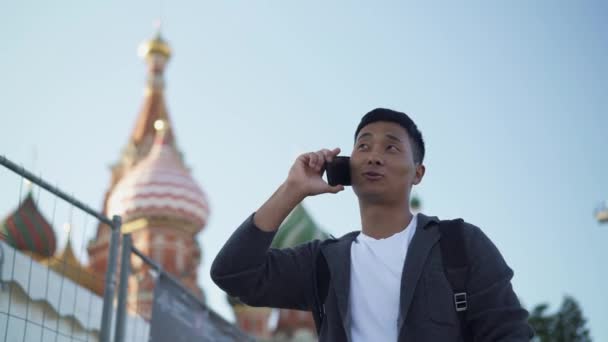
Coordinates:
509 95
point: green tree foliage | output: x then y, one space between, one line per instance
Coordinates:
566 325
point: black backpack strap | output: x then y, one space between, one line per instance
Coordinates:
456 268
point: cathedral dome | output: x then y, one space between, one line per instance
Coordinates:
160 186
26 229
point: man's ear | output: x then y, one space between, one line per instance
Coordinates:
420 170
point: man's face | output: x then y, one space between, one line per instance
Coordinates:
382 163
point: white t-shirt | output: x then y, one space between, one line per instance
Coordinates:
375 284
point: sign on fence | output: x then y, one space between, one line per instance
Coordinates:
178 317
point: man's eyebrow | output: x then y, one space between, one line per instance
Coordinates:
364 135
392 137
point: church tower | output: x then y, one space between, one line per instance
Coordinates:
153 191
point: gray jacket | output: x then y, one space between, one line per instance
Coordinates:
289 278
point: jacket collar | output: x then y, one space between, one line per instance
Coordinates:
337 255
427 235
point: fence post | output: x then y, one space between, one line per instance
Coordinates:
125 271
108 292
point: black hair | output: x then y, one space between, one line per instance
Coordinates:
403 120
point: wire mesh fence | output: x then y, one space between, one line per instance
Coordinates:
59 284
49 289
175 312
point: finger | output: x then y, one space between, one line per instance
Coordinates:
335 151
320 161
312 160
327 155
304 159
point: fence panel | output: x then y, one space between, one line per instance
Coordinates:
48 292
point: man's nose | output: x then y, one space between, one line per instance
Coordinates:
375 159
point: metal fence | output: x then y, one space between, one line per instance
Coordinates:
48 296
175 314
41 298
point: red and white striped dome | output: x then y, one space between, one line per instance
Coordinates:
159 186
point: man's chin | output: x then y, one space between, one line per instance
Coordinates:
370 195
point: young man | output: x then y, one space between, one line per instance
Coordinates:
388 281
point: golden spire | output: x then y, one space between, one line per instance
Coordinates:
156 53
155 46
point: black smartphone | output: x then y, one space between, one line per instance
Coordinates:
338 171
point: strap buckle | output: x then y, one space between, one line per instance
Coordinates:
460 301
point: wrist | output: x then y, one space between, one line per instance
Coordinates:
291 193
274 211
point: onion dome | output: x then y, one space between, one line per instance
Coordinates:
160 186
26 229
155 46
298 227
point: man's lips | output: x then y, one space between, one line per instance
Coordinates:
372 175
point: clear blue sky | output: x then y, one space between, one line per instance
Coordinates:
511 97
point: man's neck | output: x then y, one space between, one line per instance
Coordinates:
381 220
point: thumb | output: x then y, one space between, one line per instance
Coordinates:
335 189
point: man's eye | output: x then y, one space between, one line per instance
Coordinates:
392 148
362 146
